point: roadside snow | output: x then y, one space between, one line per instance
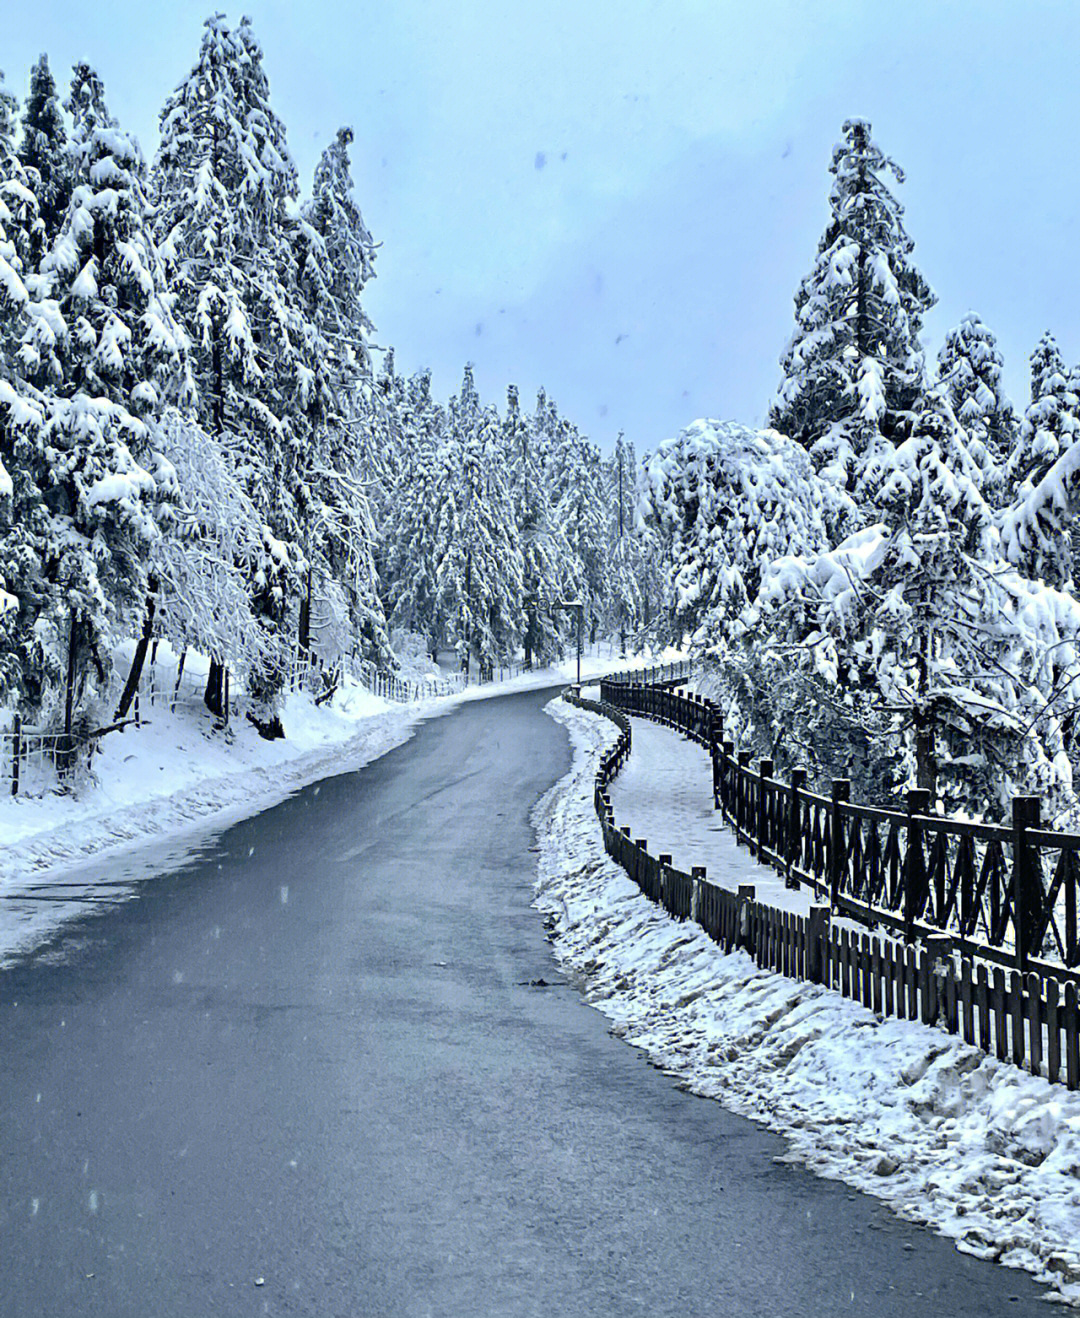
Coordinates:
978 1149
175 776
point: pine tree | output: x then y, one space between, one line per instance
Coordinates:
226 189
103 341
334 259
1051 422
969 375
909 655
43 149
543 547
481 571
413 546
725 502
854 370
627 572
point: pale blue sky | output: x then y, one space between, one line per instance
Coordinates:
618 200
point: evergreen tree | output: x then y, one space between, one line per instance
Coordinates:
969 375
226 190
543 547
725 502
1051 422
627 572
909 654
582 516
43 149
334 259
854 370
413 544
103 341
481 571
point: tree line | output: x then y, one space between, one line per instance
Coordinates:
883 583
197 443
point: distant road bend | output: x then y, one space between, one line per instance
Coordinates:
313 1072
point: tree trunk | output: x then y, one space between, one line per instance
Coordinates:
925 760
214 696
72 666
139 661
304 636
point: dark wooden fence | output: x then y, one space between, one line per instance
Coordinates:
939 975
1003 893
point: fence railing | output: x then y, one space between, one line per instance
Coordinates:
1005 893
1026 1017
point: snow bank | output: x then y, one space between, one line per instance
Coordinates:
975 1148
173 773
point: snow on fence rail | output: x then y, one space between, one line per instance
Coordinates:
1027 1017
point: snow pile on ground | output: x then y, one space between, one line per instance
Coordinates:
981 1151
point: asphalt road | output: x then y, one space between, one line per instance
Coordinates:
309 1072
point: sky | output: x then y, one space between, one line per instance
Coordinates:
617 201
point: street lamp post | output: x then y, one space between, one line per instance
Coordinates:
580 606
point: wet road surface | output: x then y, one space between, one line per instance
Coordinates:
309 1072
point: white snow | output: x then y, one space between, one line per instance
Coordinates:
163 779
981 1151
174 777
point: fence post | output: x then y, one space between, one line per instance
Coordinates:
741 810
938 955
1027 893
716 737
746 894
765 769
697 873
16 754
918 803
817 931
798 783
841 793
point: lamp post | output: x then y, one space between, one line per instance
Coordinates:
580 606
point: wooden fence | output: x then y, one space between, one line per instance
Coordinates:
1006 894
1027 1016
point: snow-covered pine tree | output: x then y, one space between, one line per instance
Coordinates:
413 549
481 571
969 374
381 437
577 495
226 191
626 571
203 602
43 150
334 260
1050 424
725 502
23 674
909 654
543 547
103 340
854 369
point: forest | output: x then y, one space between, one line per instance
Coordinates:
202 445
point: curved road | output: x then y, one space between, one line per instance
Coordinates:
310 1072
